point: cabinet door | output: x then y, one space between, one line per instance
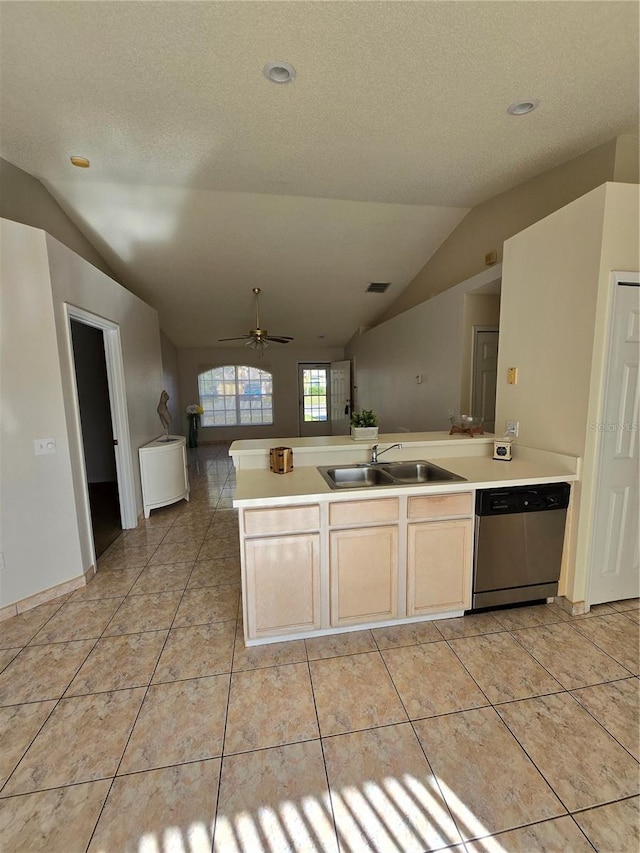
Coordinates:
282 584
438 566
364 574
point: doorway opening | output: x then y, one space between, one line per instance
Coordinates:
108 499
484 375
97 435
314 394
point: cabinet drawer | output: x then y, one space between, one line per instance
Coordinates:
440 506
287 519
363 512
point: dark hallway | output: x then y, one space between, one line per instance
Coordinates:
97 433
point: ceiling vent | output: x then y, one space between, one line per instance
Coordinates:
378 286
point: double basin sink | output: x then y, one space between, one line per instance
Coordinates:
376 475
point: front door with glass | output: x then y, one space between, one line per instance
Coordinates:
314 399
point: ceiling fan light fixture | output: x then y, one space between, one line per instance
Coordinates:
259 338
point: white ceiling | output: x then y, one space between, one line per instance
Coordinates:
207 180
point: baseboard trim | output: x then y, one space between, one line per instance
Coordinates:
46 595
575 608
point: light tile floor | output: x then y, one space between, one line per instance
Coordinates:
132 717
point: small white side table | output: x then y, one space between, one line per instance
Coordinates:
163 470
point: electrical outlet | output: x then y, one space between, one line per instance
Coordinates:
513 427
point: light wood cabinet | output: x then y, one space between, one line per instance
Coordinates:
282 583
312 567
363 574
438 566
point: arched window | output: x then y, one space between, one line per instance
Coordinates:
235 395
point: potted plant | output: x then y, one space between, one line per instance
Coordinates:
364 425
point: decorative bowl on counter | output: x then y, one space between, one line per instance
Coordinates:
466 424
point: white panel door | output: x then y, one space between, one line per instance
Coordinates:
615 572
485 377
340 397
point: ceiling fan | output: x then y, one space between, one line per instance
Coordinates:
258 338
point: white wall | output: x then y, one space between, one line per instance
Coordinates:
45 523
39 528
280 360
428 340
554 319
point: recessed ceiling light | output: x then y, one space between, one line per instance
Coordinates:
80 162
279 72
521 108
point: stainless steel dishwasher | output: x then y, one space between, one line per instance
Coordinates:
518 543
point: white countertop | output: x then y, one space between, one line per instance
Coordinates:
469 458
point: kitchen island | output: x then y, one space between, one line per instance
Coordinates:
316 560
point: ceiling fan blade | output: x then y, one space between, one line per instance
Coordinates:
241 338
279 339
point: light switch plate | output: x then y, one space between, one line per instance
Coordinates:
42 446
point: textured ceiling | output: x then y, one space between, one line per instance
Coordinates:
207 180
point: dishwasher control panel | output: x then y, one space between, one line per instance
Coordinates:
523 499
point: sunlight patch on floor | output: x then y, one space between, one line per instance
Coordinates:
474 828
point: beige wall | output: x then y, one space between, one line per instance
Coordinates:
627 166
171 383
281 361
553 328
44 516
24 199
620 253
487 226
39 528
429 339
549 291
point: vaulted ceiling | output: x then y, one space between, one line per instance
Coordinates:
207 179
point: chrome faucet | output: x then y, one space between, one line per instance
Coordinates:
375 453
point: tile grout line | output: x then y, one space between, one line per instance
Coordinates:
137 716
423 750
322 753
519 641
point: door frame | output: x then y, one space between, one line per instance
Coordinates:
119 415
474 350
615 279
